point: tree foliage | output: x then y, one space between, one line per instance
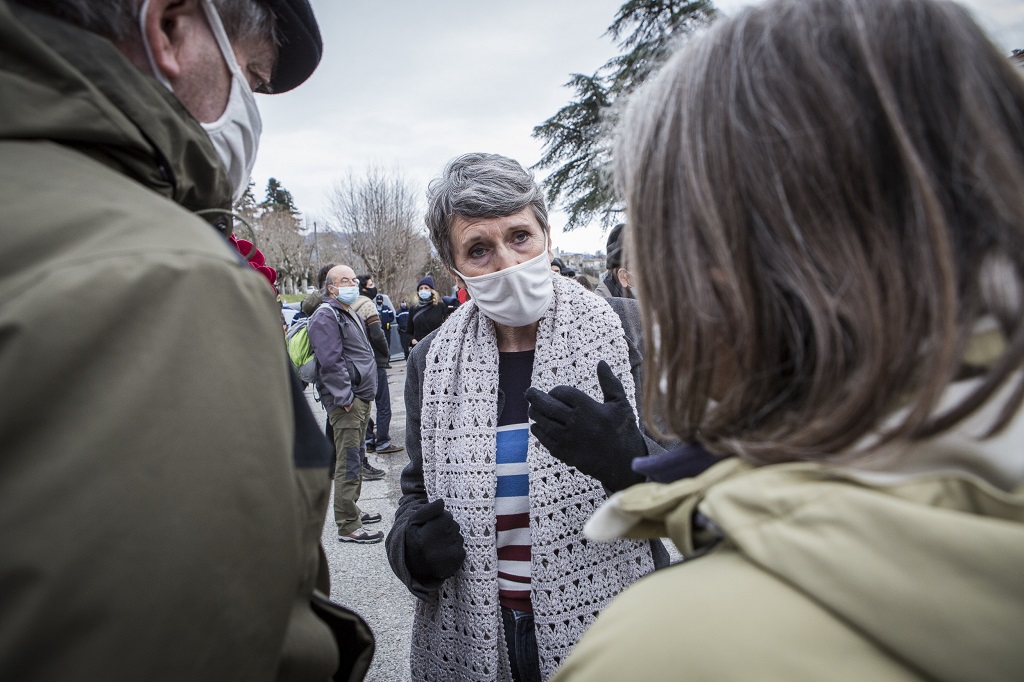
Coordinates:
278 198
377 215
247 206
279 233
575 142
577 139
333 247
287 248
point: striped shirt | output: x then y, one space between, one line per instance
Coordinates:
512 498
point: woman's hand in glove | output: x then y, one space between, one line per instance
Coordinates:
599 439
434 547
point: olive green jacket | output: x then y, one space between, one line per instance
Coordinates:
156 521
808 572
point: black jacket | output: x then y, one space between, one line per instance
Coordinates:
426 318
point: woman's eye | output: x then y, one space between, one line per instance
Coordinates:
521 237
476 252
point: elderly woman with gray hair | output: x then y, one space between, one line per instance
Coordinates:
827 199
488 533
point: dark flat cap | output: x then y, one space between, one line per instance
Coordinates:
301 44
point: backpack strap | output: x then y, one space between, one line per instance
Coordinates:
337 316
297 325
330 307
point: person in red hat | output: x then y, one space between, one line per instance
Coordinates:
167 528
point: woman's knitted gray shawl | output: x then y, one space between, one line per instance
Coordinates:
459 636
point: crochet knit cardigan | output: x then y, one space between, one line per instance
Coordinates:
458 635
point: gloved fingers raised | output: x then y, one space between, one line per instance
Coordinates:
551 426
552 409
555 442
610 384
572 396
543 435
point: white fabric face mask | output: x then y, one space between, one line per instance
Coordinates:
516 296
236 134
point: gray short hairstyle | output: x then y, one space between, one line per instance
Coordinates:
118 20
826 195
479 186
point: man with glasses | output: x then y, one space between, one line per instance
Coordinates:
347 381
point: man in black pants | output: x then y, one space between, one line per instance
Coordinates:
378 436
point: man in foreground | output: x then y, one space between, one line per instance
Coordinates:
163 479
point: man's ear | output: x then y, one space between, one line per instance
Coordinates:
622 274
168 25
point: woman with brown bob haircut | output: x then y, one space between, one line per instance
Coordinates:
829 198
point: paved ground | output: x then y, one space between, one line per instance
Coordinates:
361 578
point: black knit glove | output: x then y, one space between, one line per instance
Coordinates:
433 543
599 439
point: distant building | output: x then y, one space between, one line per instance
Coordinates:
588 263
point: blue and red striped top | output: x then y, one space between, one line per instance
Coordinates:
512 498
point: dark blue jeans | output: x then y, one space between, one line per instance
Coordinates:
521 640
382 400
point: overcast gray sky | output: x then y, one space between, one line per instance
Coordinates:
411 84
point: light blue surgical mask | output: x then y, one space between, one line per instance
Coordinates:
424 295
347 295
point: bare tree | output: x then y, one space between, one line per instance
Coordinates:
377 214
278 232
285 247
419 265
334 247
